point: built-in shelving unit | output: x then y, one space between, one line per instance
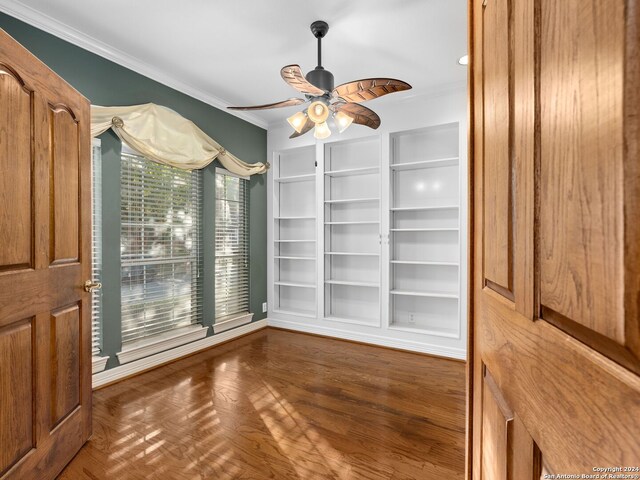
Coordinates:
294 237
431 207
353 223
424 235
368 233
347 172
424 229
296 284
354 200
413 262
353 254
352 284
352 231
284 257
296 178
441 162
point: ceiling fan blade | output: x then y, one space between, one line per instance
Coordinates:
369 88
286 103
292 74
307 126
361 114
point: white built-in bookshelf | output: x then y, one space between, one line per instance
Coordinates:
424 230
294 218
352 231
367 239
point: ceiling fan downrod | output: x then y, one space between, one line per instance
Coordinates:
320 77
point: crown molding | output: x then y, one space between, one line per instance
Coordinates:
65 32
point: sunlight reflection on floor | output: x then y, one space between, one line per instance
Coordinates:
287 426
284 407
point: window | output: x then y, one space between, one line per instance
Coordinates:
96 247
160 245
232 245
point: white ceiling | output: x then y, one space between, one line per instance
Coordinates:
229 52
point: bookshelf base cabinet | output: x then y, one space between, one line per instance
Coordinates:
369 239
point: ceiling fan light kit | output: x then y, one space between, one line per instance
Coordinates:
321 131
343 121
341 102
297 121
318 112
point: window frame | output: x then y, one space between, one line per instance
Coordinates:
179 331
99 361
242 315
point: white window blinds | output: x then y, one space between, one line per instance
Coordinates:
160 245
232 245
96 247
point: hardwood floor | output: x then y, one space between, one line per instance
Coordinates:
281 405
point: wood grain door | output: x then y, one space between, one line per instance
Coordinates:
45 377
556 233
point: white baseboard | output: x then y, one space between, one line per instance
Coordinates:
126 370
420 347
123 371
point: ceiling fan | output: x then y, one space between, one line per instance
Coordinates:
341 102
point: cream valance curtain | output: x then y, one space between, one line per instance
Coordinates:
163 135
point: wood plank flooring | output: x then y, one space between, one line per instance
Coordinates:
281 405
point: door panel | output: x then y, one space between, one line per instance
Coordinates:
64 171
15 165
16 393
497 176
526 457
65 365
539 370
581 164
562 351
45 352
497 432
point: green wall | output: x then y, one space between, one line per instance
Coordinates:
106 83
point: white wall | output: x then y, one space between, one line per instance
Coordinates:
404 112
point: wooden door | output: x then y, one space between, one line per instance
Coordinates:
45 359
556 233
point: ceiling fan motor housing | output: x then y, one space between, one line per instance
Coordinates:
321 78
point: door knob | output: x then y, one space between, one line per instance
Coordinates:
90 286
